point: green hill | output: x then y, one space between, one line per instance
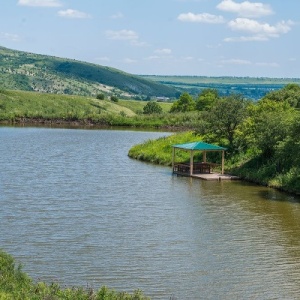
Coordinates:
34 72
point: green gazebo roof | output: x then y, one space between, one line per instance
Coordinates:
201 146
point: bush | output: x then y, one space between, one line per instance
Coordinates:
114 98
100 96
152 108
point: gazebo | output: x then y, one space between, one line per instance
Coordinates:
195 167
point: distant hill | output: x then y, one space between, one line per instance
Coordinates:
34 72
250 87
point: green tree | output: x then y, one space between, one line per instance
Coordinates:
225 116
184 103
290 94
152 107
269 124
206 99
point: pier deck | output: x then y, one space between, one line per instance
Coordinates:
215 176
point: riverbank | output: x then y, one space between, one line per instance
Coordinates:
254 168
17 285
23 108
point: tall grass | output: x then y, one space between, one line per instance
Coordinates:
17 285
159 151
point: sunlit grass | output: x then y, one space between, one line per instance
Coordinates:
17 285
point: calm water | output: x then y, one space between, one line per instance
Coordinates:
75 209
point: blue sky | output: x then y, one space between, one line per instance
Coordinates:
161 37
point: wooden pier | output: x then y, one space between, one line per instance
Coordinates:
202 171
215 176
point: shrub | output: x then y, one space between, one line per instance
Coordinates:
100 96
152 108
114 98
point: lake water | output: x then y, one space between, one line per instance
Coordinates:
75 209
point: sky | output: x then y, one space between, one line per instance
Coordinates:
161 37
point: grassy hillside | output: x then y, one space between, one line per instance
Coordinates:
41 108
21 104
34 72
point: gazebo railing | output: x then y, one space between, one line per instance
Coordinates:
198 168
181 168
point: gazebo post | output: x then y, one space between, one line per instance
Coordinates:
173 159
223 162
191 162
204 156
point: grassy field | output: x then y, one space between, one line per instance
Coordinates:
32 107
137 106
221 80
250 87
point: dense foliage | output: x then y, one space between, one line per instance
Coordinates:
262 137
17 285
184 104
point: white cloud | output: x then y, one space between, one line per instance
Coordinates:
129 61
247 39
164 51
118 15
259 31
40 3
201 18
236 61
188 58
153 57
73 14
246 8
10 36
103 59
127 35
267 64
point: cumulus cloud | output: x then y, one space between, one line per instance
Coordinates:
103 59
118 15
123 34
246 39
10 36
152 57
236 61
258 30
164 51
267 64
246 8
201 18
129 61
40 3
73 14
